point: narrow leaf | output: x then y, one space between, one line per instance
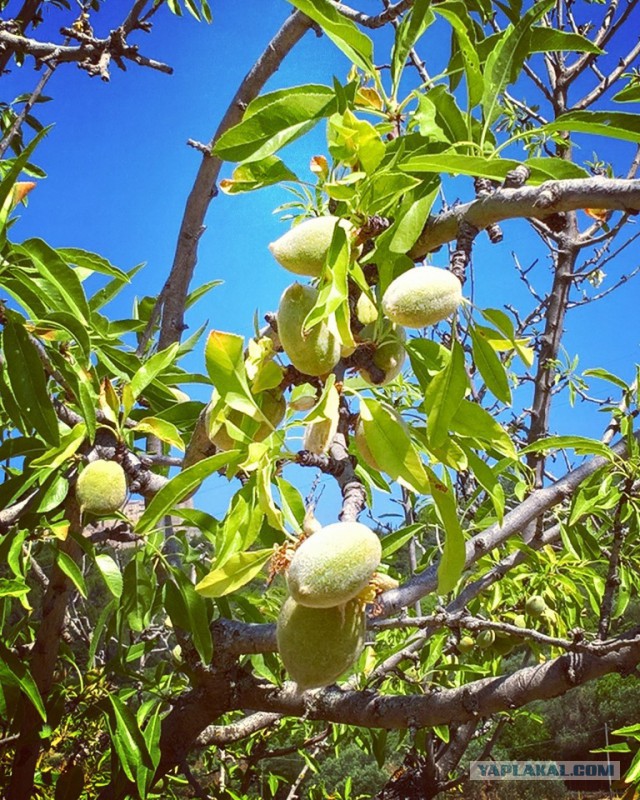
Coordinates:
178 488
237 571
342 32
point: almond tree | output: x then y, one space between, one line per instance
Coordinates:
139 646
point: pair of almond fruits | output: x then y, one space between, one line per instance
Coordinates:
419 297
321 626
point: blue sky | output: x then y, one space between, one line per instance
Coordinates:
120 171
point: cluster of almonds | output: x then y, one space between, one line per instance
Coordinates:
419 297
321 626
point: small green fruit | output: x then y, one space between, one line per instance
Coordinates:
366 310
503 644
316 352
333 565
318 644
304 248
273 406
101 487
422 296
466 644
389 355
486 639
535 606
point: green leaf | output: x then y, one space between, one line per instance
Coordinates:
614 124
456 14
256 175
138 592
28 382
128 740
388 438
237 571
490 366
92 262
335 291
630 94
633 773
278 119
548 40
476 422
165 431
443 396
505 326
69 444
108 292
453 555
345 34
392 542
224 358
493 168
291 503
411 224
65 323
446 120
582 445
487 478
355 142
605 375
150 370
178 488
72 571
59 274
14 672
188 610
414 24
13 588
111 574
11 176
506 59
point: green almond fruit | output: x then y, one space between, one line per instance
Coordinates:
304 248
101 488
535 606
422 296
316 352
318 644
486 638
466 644
334 565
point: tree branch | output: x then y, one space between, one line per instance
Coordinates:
514 522
174 292
92 55
535 202
44 655
445 706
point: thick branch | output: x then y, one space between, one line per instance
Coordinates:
44 656
535 202
174 293
481 698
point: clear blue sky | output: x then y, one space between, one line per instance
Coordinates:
119 174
